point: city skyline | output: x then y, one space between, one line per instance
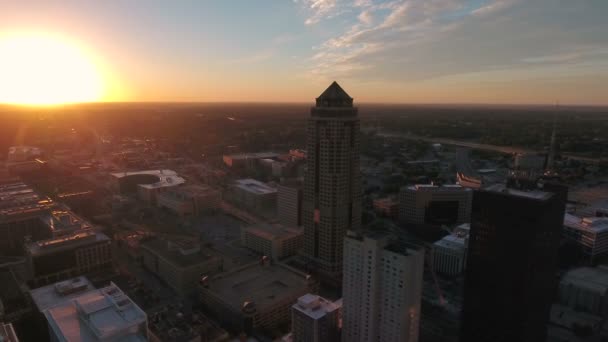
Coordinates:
495 51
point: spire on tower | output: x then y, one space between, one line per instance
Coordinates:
334 96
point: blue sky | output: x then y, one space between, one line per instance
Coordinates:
424 51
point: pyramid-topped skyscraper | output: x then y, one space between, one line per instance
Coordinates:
332 189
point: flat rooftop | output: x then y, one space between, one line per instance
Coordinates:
593 279
190 191
181 253
451 242
315 306
98 315
74 240
531 194
166 178
265 285
52 295
433 187
61 220
588 224
274 231
255 186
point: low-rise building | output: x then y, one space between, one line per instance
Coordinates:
179 262
434 204
254 195
315 319
51 295
589 233
273 240
68 256
448 255
146 184
105 314
258 295
190 199
585 289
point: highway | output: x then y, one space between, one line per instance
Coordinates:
485 147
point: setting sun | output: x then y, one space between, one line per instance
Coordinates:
45 70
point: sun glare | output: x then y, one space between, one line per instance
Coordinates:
45 70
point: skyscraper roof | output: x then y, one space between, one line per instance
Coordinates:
334 96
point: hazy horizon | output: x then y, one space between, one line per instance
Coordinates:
381 51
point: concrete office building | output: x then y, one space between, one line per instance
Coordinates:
382 289
511 264
289 202
21 209
315 319
589 233
273 240
254 195
68 256
332 186
448 255
146 184
105 314
434 204
190 199
585 289
180 263
258 295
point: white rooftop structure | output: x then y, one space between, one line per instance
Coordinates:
315 306
23 153
254 186
166 178
106 314
49 296
451 242
588 224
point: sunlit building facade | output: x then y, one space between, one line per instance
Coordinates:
381 289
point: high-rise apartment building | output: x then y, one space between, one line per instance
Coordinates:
289 202
382 289
332 190
511 264
315 319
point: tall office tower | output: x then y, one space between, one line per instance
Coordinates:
315 319
511 264
332 190
381 289
289 202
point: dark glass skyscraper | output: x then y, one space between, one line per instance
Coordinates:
511 264
332 187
